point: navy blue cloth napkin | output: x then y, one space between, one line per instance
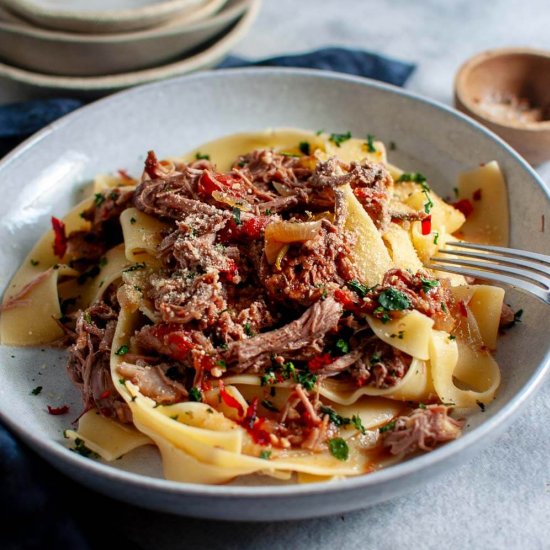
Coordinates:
39 507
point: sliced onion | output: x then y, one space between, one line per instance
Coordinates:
231 200
272 249
280 256
292 232
283 190
326 215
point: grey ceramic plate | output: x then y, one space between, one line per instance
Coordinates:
42 177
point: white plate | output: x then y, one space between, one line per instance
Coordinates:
100 16
41 179
19 84
62 54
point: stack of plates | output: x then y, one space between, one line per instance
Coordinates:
94 47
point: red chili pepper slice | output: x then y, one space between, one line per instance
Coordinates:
105 394
179 343
152 165
56 411
231 272
60 237
465 206
319 362
229 400
427 225
462 308
254 227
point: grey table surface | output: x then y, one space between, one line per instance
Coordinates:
501 499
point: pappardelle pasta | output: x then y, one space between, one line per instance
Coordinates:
262 306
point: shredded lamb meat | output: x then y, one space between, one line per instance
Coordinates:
89 358
422 430
153 382
312 325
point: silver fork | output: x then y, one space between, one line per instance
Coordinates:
527 271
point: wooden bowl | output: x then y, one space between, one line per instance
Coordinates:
508 90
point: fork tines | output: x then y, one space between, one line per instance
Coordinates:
529 271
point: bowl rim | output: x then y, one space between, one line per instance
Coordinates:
53 450
464 98
30 9
229 11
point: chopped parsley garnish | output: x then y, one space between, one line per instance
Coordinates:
202 156
517 316
133 220
452 337
268 378
370 144
375 358
399 335
248 329
265 454
389 426
359 288
341 346
305 148
382 314
195 394
99 199
175 417
122 350
428 205
88 318
268 212
436 237
267 404
288 371
338 139
481 406
394 300
339 420
443 307
221 363
392 145
421 406
428 284
81 449
34 262
36 390
334 417
415 177
135 267
103 262
357 424
338 448
455 190
237 215
319 132
306 379
289 154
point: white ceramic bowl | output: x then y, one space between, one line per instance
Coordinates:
64 54
42 176
101 16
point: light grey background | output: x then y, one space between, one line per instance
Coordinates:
502 498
